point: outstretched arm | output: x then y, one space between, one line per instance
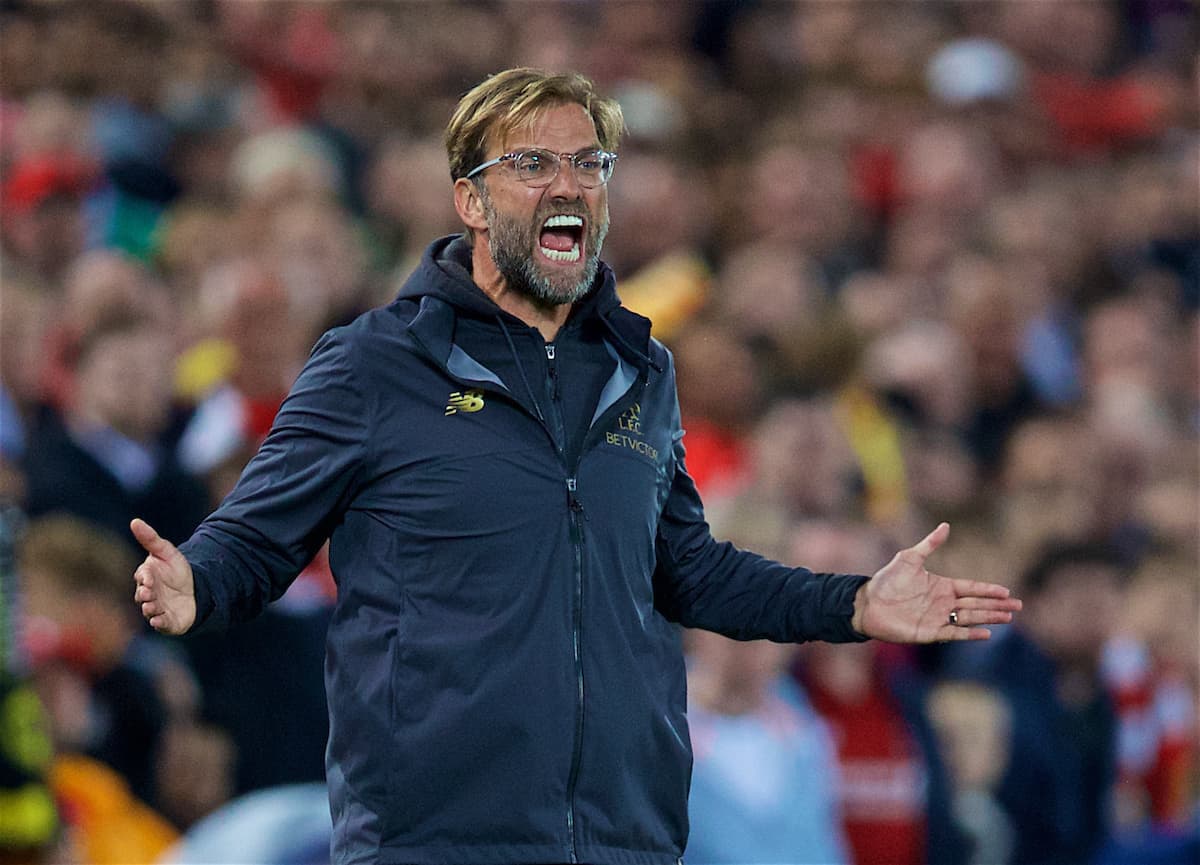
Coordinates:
905 603
165 588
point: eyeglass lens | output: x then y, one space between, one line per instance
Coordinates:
539 167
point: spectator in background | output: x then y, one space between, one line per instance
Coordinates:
315 249
239 374
1095 107
1150 667
195 237
798 198
718 381
764 783
97 283
1058 786
42 227
825 483
986 315
660 248
974 731
924 371
769 292
196 769
406 201
109 457
1050 488
77 621
1127 352
893 793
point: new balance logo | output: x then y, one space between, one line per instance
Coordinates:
467 400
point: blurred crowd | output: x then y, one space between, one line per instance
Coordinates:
916 261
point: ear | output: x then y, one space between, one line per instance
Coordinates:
469 204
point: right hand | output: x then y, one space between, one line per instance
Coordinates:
165 588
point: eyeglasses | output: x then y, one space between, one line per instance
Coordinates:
537 167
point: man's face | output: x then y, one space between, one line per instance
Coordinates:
549 264
1076 612
125 382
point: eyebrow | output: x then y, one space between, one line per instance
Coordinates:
519 148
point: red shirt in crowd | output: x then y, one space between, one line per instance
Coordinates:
883 777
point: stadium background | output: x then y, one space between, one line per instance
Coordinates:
916 260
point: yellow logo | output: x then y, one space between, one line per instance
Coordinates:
631 419
468 401
629 434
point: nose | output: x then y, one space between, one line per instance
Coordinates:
565 184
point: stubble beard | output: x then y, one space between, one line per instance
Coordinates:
514 251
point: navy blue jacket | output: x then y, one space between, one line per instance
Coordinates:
514 535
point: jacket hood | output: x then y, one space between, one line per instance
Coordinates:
445 273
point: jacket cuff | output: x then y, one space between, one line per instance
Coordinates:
204 601
205 589
839 609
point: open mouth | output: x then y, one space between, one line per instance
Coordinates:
562 238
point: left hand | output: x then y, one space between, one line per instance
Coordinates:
905 603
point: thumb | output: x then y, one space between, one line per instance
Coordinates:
932 541
154 544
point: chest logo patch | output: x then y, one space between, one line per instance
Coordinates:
628 434
464 401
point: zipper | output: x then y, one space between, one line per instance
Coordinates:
553 368
557 425
577 517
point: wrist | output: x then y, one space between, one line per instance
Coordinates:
860 606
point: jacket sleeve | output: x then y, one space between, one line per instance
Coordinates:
702 583
290 496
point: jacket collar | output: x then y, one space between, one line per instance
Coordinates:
444 290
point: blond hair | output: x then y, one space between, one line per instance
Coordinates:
512 99
78 557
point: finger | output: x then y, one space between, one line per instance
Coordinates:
967 634
145 593
150 609
932 541
1008 605
163 624
979 589
148 573
151 541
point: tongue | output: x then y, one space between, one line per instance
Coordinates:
558 239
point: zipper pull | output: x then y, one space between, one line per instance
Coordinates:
573 502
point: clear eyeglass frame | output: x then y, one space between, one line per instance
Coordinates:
537 167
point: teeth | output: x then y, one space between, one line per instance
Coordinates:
569 255
563 221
